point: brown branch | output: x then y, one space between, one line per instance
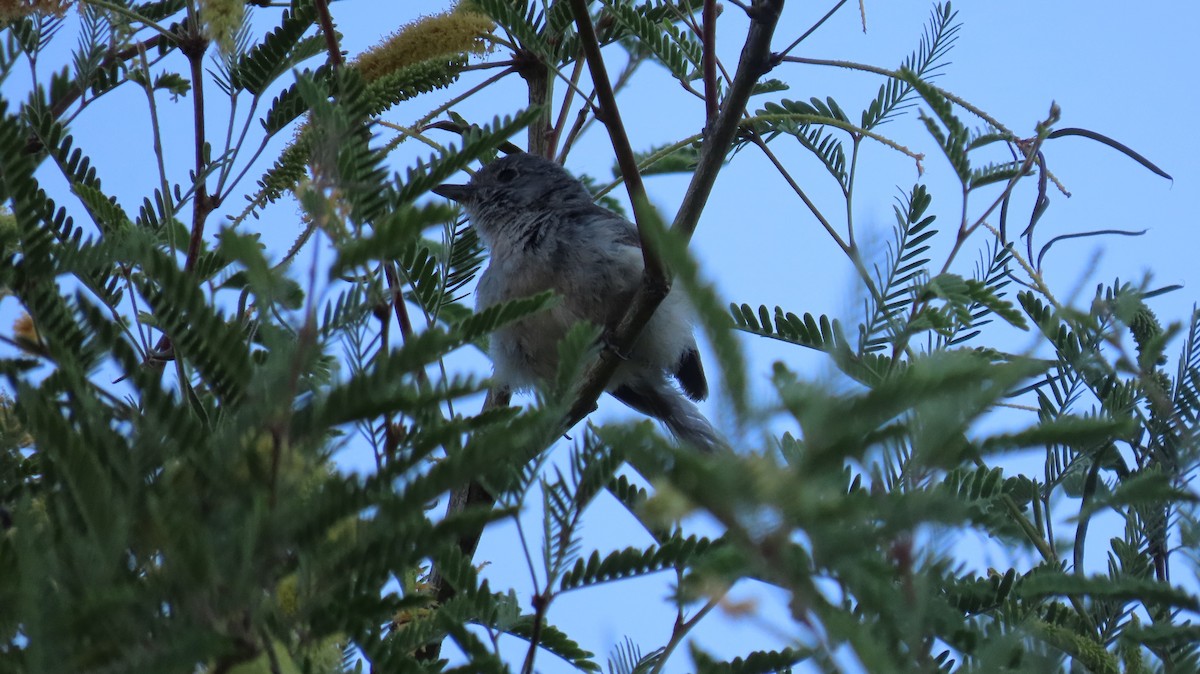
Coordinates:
755 61
709 19
194 47
471 495
610 115
327 29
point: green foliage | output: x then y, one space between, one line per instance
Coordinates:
906 262
279 51
930 56
803 121
679 52
182 401
675 552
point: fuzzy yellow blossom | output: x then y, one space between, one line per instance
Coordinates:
25 331
222 19
444 34
17 9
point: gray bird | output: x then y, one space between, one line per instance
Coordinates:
544 233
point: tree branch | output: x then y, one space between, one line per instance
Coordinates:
709 28
330 33
610 116
756 60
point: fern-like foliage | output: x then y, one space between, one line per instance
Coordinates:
524 23
993 273
555 641
758 662
937 40
199 333
680 53
905 263
278 52
678 551
804 121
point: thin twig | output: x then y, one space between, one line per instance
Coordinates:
193 47
581 120
233 150
851 65
965 230
156 134
420 123
407 132
811 30
130 14
565 108
709 19
849 190
650 160
610 115
402 319
812 207
682 627
327 29
487 65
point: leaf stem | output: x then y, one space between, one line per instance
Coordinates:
681 629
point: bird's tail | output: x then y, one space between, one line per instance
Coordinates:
656 397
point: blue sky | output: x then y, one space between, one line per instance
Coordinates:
1122 70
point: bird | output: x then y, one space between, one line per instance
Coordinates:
543 231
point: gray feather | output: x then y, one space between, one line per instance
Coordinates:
544 232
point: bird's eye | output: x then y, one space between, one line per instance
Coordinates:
506 175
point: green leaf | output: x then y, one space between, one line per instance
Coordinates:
1145 488
904 268
392 236
953 140
680 52
671 553
1076 431
278 51
198 332
1124 588
518 18
555 641
678 160
938 38
758 662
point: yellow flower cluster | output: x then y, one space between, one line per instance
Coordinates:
24 329
17 9
454 32
222 19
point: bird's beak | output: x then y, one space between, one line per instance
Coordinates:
459 193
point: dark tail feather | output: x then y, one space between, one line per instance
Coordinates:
659 399
690 373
